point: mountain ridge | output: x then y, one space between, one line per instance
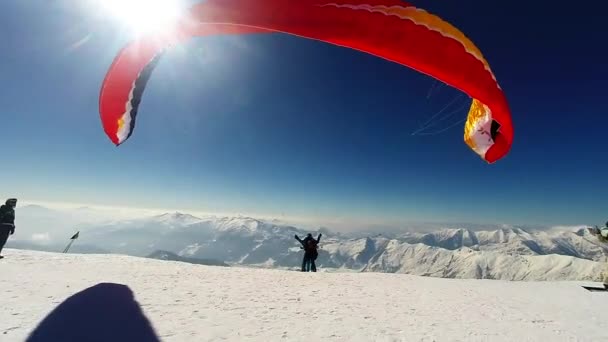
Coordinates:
451 252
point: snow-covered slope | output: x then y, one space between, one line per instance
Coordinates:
512 240
423 260
121 298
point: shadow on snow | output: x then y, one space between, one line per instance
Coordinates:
104 312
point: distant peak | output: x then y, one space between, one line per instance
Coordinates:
177 216
36 206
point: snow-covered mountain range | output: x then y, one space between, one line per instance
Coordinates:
507 253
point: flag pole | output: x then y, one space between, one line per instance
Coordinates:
72 239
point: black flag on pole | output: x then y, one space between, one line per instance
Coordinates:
72 239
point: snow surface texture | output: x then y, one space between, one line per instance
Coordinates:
185 302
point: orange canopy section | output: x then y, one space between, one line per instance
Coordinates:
389 29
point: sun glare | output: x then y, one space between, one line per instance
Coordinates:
143 16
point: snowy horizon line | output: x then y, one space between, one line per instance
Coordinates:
338 224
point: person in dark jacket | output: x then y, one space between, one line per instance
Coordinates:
309 245
7 221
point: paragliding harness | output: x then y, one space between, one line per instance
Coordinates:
311 247
6 210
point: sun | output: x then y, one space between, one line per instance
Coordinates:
144 16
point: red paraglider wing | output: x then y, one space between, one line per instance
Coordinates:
392 30
126 80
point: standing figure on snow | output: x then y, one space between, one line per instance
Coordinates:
601 233
309 245
7 221
604 232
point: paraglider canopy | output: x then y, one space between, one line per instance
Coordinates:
388 29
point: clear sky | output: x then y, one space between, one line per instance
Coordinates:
277 125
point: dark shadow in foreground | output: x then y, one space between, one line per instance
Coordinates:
104 312
596 289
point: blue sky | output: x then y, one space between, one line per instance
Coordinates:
283 126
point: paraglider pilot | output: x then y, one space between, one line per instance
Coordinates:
309 244
7 221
